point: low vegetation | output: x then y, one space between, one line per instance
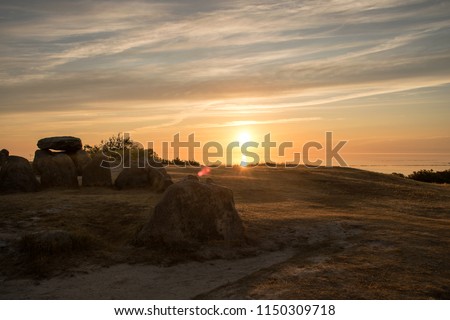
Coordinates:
431 176
349 233
121 146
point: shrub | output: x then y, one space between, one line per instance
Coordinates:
401 175
54 242
123 147
431 176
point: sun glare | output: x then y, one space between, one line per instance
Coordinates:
243 137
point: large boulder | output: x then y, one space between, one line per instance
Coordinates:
156 179
60 143
146 161
16 175
80 158
41 157
192 213
97 172
56 169
130 178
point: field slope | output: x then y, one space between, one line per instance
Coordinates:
326 233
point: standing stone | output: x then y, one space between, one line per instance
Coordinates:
146 161
159 179
16 175
41 157
56 169
4 154
60 143
130 178
192 212
97 172
80 158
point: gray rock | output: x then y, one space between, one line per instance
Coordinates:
155 179
191 177
56 169
16 175
4 154
80 158
159 178
60 143
149 162
193 213
40 158
130 178
97 172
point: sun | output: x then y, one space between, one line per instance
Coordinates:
243 137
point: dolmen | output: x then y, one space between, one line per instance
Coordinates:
59 161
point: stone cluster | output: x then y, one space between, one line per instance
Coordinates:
60 161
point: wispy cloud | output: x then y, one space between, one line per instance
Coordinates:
160 64
257 122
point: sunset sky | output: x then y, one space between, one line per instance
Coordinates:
376 73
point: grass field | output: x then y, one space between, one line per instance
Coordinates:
327 233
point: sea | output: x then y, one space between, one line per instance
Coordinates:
405 163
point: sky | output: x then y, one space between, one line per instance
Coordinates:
375 73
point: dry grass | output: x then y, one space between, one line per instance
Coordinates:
356 234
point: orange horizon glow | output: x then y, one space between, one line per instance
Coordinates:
372 73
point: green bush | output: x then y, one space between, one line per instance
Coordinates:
123 147
431 176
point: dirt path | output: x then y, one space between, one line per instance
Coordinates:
123 281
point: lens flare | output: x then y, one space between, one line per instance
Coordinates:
204 171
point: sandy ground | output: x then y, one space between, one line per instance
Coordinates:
328 233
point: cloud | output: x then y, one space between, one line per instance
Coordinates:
70 32
158 64
257 122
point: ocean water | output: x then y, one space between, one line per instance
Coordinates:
405 163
